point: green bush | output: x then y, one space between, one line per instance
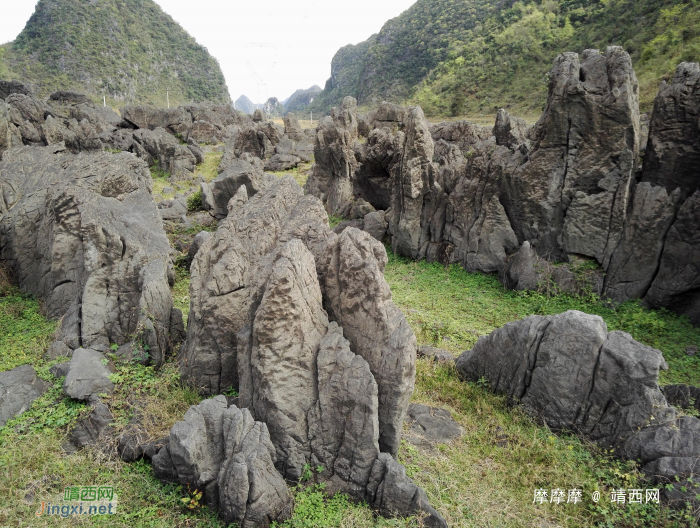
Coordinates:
194 202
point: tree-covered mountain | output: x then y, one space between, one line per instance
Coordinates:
300 100
130 50
466 56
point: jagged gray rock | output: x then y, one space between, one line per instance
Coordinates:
222 451
88 375
19 387
332 393
223 279
673 152
158 145
84 234
281 162
510 131
431 425
391 493
90 430
331 179
350 269
568 370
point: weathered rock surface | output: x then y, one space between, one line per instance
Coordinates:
391 493
281 162
88 375
158 145
19 387
569 371
331 179
673 152
91 430
83 234
246 171
292 128
462 134
300 321
438 354
351 273
8 88
431 425
224 452
510 131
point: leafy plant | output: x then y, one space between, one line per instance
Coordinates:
194 202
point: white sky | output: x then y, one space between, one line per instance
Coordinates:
300 37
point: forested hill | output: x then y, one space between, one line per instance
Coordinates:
468 56
130 49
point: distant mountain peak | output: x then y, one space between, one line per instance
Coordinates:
129 50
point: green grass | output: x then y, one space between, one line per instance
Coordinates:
300 172
25 333
450 308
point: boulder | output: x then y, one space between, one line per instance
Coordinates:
197 242
429 425
677 281
196 151
9 133
19 387
224 452
203 132
63 96
281 162
158 145
510 131
60 370
292 128
91 430
673 151
331 178
350 269
462 134
437 354
173 210
636 259
8 88
391 493
84 234
58 349
246 171
375 224
222 283
88 375
572 373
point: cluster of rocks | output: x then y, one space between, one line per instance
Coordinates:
300 321
514 199
261 146
568 370
83 234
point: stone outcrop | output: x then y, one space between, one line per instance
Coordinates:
88 375
331 178
19 387
515 199
571 372
246 171
223 452
84 234
300 321
158 145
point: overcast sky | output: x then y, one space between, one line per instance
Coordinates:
289 43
